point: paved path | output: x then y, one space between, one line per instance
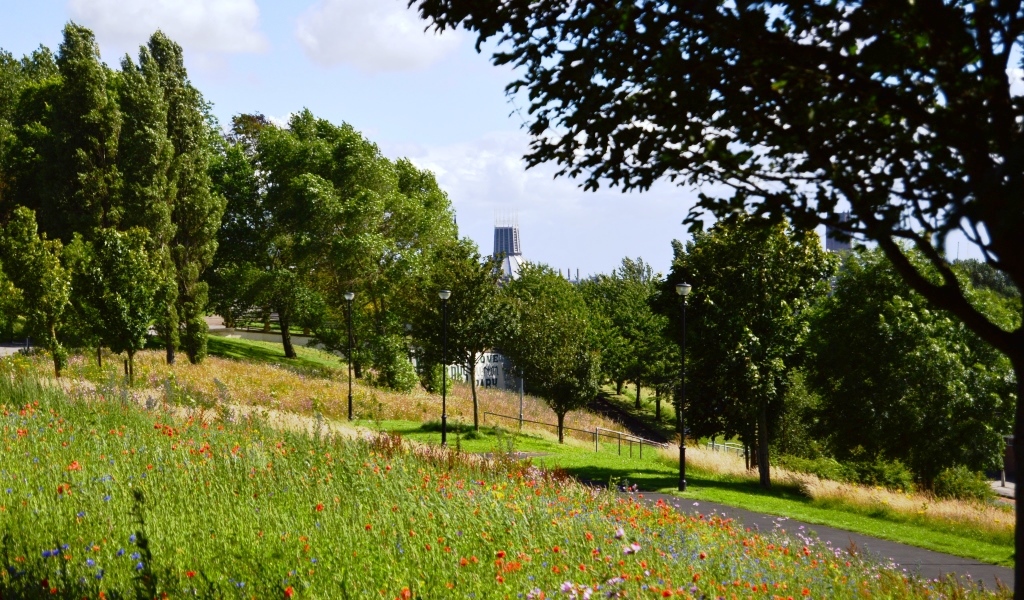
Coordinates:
9 349
926 563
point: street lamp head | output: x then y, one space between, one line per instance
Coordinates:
683 289
350 295
445 294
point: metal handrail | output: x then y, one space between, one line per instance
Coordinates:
618 435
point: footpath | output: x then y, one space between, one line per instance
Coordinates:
924 563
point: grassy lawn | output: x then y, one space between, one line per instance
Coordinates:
309 359
656 472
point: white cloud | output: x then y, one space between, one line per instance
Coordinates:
371 35
230 26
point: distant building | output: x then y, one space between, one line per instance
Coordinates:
507 246
836 241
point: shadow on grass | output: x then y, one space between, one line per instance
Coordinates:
252 352
657 479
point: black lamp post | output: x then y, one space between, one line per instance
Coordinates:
349 296
683 289
444 295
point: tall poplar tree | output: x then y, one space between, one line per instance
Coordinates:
63 161
196 210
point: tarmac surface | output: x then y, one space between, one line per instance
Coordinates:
924 563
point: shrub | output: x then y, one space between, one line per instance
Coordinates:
893 475
394 370
824 468
963 484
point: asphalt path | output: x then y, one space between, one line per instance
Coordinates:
924 563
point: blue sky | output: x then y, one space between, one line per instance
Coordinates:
430 98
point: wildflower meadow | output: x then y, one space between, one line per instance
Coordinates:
102 498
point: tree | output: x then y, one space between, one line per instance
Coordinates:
625 298
473 312
63 162
197 210
33 264
906 372
752 286
549 340
125 277
145 154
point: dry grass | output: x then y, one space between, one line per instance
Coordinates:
279 389
993 518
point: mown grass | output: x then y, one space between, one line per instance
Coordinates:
310 360
104 499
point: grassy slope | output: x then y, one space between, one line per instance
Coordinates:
656 473
268 352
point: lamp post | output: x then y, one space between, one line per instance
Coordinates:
683 289
349 296
444 295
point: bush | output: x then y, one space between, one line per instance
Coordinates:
824 468
394 370
893 475
963 484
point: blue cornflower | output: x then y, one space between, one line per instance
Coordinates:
138 567
136 556
120 552
99 574
81 514
47 554
131 538
90 562
106 498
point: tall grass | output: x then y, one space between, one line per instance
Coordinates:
100 498
993 521
278 387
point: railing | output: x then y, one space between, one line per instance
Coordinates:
618 436
725 447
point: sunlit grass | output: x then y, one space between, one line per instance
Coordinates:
104 499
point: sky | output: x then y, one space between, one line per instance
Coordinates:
431 98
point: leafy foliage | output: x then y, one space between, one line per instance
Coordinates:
550 341
753 282
906 372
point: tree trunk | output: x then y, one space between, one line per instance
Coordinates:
286 335
561 427
618 387
266 322
657 403
762 446
99 356
170 354
131 368
638 395
1017 359
472 386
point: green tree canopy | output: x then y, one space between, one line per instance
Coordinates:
33 264
753 283
550 341
474 316
901 380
